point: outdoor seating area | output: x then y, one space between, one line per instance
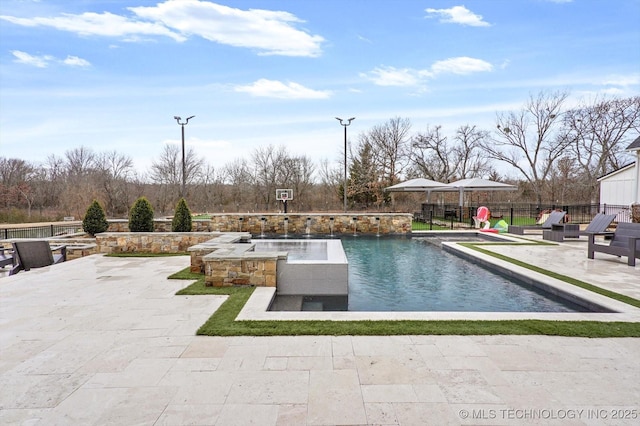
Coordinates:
598 225
625 242
555 217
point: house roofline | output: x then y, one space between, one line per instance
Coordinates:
620 170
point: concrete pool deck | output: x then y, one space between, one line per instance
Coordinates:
104 340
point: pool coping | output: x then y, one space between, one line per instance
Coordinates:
256 308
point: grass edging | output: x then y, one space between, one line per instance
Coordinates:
222 323
569 280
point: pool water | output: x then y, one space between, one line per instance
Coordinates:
412 274
298 250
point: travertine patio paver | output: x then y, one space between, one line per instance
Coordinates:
100 341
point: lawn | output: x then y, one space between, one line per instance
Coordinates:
222 322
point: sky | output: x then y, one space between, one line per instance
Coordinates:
112 74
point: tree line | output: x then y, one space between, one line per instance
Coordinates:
556 154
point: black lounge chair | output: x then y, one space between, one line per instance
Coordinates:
554 218
598 225
35 254
625 242
6 259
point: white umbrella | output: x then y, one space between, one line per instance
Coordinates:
418 185
477 184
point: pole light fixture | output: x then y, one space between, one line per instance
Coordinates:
184 170
345 124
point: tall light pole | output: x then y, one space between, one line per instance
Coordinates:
345 124
184 170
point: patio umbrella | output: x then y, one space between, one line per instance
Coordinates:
477 184
417 185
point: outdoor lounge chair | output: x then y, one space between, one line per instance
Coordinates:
598 225
555 217
6 259
35 254
625 242
482 216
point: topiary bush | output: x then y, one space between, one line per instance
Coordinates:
182 218
95 220
141 216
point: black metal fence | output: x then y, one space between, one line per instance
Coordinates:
450 215
41 231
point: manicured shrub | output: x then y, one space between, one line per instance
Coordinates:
95 220
182 218
141 216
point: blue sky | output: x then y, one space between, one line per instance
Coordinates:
111 75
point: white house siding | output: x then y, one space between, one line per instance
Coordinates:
617 188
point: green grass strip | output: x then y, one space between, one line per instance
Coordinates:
185 274
223 323
573 281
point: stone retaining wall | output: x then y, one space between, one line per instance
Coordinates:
294 223
150 242
229 272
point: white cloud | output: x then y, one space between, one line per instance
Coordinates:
459 15
613 91
269 32
100 24
461 65
622 80
391 76
277 89
27 59
74 61
43 61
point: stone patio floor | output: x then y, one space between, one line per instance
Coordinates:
100 341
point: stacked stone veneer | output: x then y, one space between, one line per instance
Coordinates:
294 223
230 260
150 242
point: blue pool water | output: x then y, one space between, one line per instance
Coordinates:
411 274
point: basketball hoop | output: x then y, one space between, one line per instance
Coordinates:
284 194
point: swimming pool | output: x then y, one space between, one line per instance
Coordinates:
414 275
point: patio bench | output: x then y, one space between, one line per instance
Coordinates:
625 242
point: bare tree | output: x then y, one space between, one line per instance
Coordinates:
331 181
79 161
431 155
598 134
208 190
269 172
435 158
527 141
237 175
166 172
300 178
469 158
115 172
391 147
